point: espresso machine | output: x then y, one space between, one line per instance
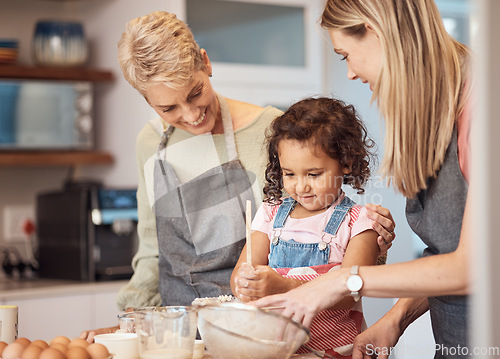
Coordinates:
86 232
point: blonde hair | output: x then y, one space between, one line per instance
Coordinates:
158 48
420 88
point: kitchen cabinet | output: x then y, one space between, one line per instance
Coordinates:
13 158
266 52
64 309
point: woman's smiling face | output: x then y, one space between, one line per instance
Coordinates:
362 53
193 108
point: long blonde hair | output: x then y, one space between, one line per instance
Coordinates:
158 48
420 88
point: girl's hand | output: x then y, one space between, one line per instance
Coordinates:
383 224
303 303
252 284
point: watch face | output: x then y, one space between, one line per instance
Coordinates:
354 283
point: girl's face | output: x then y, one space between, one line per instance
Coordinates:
310 176
193 108
362 54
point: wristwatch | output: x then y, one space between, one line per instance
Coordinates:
354 283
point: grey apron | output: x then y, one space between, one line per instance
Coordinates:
200 224
435 215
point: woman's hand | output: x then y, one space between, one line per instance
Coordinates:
89 335
377 341
303 303
383 224
254 283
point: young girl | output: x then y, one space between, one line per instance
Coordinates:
314 147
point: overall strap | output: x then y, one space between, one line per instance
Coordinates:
338 216
283 212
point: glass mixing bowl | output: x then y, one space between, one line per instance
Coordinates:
241 331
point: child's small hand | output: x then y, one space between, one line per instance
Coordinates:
252 284
244 274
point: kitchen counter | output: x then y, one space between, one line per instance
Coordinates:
43 287
41 301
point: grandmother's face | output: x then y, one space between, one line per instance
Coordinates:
192 108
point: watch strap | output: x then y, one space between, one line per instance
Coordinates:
355 272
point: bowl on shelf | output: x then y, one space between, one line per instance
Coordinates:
9 50
59 43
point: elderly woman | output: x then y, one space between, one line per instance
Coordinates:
198 164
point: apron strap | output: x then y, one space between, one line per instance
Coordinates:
338 216
227 124
162 146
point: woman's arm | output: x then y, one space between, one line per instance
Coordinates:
383 336
443 274
362 250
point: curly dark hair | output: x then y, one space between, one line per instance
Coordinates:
325 122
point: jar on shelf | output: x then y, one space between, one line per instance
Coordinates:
59 43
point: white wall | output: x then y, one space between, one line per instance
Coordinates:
485 313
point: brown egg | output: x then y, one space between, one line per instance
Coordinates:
40 343
60 339
78 342
23 341
61 347
51 353
2 347
76 352
98 351
31 352
12 351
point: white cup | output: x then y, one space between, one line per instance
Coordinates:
8 323
121 345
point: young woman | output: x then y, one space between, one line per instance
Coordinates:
420 79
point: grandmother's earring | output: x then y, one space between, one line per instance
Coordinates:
210 75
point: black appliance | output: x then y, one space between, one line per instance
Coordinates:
86 232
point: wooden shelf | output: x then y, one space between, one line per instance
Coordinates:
54 73
53 158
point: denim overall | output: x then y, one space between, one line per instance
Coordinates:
292 254
200 224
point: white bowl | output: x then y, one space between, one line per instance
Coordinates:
121 345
